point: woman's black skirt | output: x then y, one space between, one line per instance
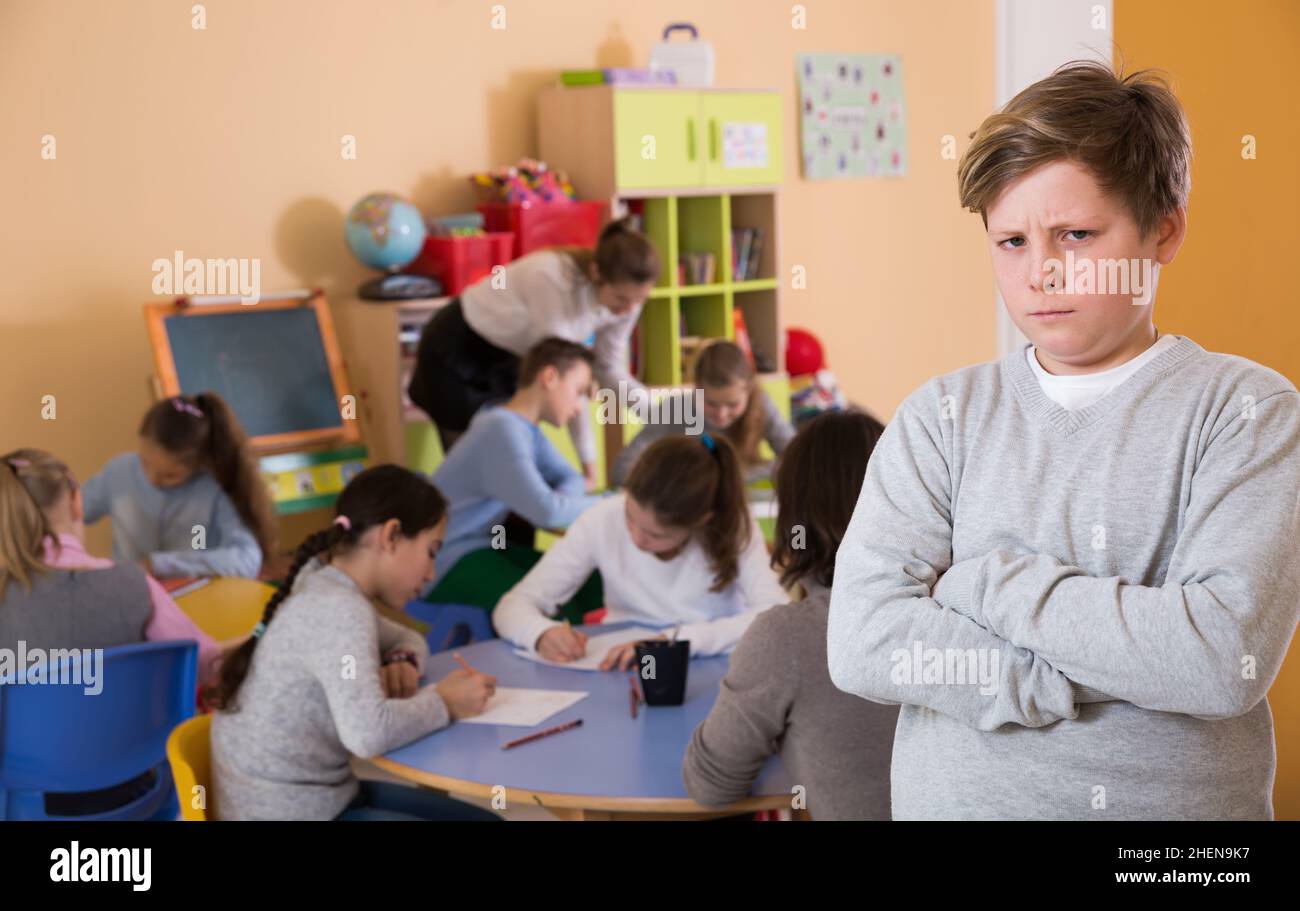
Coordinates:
457 371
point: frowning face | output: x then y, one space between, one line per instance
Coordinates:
1056 215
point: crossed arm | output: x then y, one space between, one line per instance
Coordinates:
1230 600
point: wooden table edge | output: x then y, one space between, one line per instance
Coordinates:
549 800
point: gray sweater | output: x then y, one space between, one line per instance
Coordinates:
1122 576
76 609
776 431
311 699
777 697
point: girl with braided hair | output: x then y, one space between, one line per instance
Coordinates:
324 677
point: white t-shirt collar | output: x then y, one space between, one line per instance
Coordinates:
1081 390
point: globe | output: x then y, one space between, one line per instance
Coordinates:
385 231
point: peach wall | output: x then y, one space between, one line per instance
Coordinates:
225 142
1231 288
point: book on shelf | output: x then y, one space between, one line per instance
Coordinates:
741 332
618 75
696 269
755 248
746 247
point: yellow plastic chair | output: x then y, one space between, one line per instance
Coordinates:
227 607
188 755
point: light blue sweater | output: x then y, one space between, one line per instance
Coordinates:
161 524
504 464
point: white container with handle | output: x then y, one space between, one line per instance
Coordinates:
691 61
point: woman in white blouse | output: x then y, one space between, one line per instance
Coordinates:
469 352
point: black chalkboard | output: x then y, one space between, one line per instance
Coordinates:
268 364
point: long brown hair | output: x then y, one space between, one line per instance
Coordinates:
817 487
682 479
622 254
371 498
31 481
202 430
721 365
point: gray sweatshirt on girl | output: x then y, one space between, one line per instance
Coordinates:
778 698
1119 587
311 699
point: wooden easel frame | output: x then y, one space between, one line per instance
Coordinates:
348 431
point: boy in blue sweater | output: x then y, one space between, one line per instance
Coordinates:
1075 569
504 469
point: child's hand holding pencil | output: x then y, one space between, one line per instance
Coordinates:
562 643
466 691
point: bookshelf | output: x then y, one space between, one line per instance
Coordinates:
705 224
661 153
691 194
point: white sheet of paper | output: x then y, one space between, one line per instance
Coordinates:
523 707
597 646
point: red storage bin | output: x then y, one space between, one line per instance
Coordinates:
545 225
458 262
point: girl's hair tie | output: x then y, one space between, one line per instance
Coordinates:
707 440
183 406
344 521
15 464
259 630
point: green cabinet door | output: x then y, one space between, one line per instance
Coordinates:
777 387
742 134
658 139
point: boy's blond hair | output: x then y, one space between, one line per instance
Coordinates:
1129 131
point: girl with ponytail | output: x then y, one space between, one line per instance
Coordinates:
324 677
191 501
678 546
778 696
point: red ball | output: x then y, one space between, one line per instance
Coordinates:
803 353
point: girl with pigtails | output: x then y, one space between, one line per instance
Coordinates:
324 677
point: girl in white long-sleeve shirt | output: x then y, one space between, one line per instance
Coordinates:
678 546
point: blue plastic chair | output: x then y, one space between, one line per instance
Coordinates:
56 740
452 625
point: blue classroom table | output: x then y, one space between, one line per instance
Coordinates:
613 767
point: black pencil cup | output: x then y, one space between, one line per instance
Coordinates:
661 669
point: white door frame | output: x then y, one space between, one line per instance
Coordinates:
1034 37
